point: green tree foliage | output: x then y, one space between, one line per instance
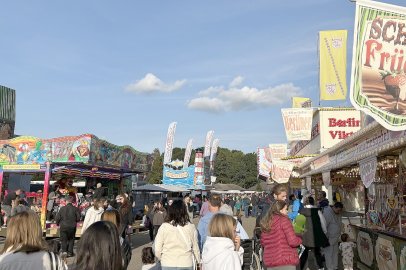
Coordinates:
230 167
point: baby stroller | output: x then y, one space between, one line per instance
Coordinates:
251 255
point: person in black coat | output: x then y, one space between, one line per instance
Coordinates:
66 218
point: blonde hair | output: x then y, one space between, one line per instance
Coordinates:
222 225
113 216
274 210
24 234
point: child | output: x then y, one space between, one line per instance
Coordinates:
347 252
148 260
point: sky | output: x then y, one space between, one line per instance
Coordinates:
124 70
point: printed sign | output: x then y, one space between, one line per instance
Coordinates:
188 153
336 125
281 171
326 178
301 102
207 145
378 79
264 162
278 151
298 123
367 169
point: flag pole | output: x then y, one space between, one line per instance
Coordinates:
318 57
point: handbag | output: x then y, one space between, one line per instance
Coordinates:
196 264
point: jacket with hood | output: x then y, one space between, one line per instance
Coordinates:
92 216
280 243
315 228
219 254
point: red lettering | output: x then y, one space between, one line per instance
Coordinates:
331 122
333 134
370 52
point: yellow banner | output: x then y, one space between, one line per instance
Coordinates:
301 102
23 167
333 64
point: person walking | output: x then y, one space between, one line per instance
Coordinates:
314 236
202 227
125 214
67 218
237 206
24 247
222 249
99 248
278 239
93 214
332 214
189 206
113 216
205 207
159 215
323 201
7 204
245 205
254 202
53 195
176 244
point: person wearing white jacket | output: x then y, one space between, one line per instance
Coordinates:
93 214
222 250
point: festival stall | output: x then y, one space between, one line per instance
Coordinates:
65 161
367 173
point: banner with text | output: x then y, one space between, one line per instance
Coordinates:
378 79
367 170
298 123
169 143
326 178
188 153
301 102
281 171
264 162
207 145
336 125
333 64
278 151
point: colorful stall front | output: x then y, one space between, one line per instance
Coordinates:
64 161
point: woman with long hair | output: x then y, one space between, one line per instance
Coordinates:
24 247
158 216
114 217
125 214
93 214
278 238
99 248
176 242
222 248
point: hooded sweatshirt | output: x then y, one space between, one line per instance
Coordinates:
219 254
92 216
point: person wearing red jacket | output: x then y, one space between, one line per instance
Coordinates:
278 239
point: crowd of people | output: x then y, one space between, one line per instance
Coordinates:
289 231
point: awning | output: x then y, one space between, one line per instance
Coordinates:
160 188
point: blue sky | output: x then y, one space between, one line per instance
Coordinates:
123 70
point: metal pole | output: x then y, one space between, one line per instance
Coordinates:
45 195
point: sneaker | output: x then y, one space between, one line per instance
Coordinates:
4 226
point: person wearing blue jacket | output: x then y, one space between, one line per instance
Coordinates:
296 205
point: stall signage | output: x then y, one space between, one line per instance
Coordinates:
326 178
320 162
367 169
378 80
264 162
177 175
23 167
281 171
278 151
337 125
298 123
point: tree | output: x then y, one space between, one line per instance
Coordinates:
156 174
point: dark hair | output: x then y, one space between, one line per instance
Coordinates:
186 196
148 256
215 200
310 200
324 194
344 237
99 248
338 205
291 197
177 214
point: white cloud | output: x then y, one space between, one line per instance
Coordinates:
217 99
151 83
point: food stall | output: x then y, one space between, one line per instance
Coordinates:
64 161
367 173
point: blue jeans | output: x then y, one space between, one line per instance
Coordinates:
254 210
246 210
176 268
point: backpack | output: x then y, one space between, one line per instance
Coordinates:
147 222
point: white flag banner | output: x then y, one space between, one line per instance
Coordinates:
278 151
214 148
326 178
367 169
188 153
281 171
264 163
169 143
309 183
298 123
207 146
